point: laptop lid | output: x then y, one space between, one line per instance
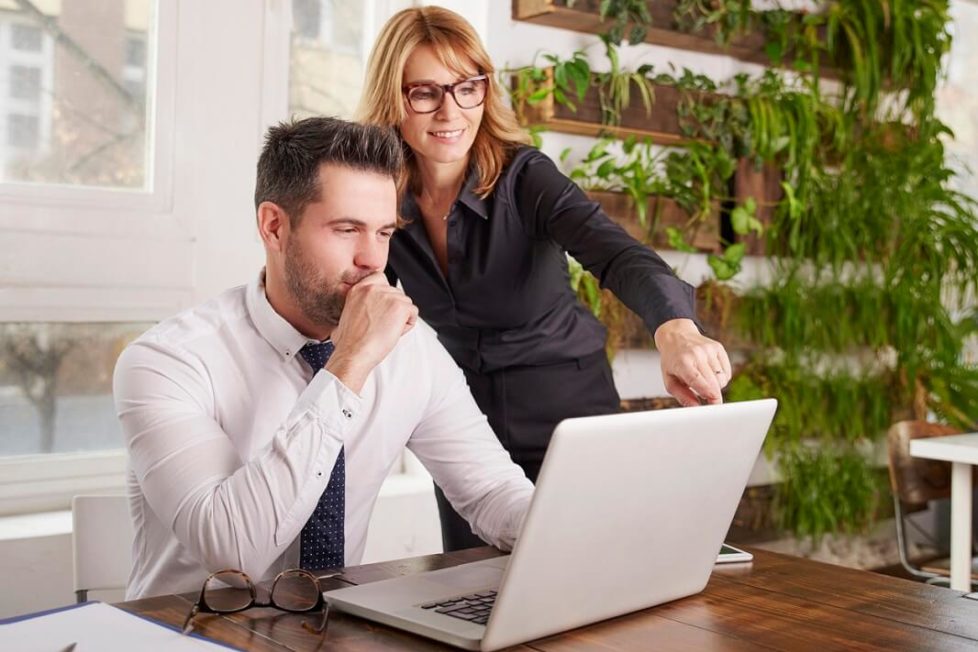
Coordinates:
629 512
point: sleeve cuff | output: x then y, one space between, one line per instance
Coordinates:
331 403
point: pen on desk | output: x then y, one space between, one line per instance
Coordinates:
70 648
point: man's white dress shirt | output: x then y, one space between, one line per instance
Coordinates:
230 444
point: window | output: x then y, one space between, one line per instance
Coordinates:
80 174
135 87
100 239
957 105
306 17
327 57
957 99
23 131
136 51
56 386
25 83
88 127
25 38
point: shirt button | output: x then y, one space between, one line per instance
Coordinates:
347 413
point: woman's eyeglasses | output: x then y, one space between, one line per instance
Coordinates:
424 97
230 591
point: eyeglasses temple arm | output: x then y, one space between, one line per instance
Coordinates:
188 624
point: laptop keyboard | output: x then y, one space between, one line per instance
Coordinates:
474 608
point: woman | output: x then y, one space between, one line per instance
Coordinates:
483 254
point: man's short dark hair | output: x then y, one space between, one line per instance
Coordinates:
288 168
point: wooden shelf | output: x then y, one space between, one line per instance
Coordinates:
584 18
660 125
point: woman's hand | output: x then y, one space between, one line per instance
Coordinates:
694 367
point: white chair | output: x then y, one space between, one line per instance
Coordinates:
101 544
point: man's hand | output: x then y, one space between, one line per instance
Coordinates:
374 318
695 368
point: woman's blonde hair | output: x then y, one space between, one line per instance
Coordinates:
456 44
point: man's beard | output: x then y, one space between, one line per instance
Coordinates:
320 301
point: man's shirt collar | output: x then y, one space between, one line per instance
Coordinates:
272 326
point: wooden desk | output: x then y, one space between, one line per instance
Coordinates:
962 452
775 603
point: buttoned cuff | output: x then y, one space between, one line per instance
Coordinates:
331 403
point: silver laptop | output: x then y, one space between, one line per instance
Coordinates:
629 512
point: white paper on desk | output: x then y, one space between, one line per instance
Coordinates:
97 627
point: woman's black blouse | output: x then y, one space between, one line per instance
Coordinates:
506 300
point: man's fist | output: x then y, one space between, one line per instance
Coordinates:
374 318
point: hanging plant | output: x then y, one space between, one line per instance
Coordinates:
564 80
726 18
627 16
693 177
615 87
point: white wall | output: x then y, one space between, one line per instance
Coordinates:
36 559
35 565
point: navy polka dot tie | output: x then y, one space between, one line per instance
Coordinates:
321 540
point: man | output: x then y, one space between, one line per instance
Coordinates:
261 424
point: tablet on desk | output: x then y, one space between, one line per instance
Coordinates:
729 554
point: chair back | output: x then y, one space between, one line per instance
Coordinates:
101 544
914 480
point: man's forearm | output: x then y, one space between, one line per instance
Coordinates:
228 514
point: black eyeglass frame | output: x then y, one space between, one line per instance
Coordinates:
201 606
447 89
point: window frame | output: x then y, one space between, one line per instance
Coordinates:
47 482
44 482
114 255
62 200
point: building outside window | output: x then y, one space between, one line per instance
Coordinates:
25 83
23 131
77 86
327 56
25 38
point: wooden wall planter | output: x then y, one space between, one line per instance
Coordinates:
665 212
764 185
661 125
584 17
